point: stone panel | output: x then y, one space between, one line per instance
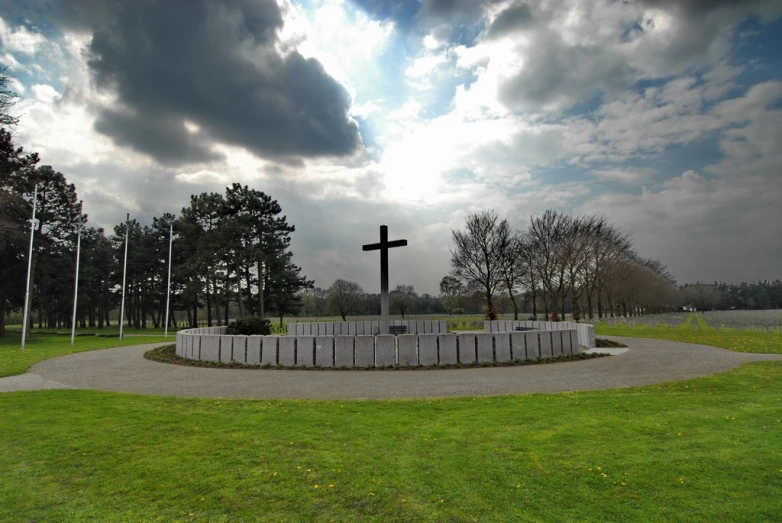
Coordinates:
359 328
502 347
533 344
343 351
545 344
518 345
299 329
556 344
365 351
253 350
239 354
324 351
368 328
466 348
420 327
411 327
305 351
291 329
385 350
376 328
485 347
329 329
566 348
269 349
408 353
574 342
427 349
447 344
210 347
337 329
286 351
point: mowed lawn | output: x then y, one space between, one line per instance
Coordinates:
702 450
746 340
40 347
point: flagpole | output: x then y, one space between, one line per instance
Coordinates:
168 292
76 285
124 274
29 268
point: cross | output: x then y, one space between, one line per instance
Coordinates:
383 247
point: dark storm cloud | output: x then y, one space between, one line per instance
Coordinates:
214 64
512 19
435 12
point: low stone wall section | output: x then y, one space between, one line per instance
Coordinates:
586 332
365 328
406 350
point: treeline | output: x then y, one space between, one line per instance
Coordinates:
228 249
560 263
757 295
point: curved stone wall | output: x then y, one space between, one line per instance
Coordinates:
358 328
586 332
405 350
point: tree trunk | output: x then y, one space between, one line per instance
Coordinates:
2 313
209 302
239 291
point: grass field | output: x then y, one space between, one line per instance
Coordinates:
702 450
40 347
696 330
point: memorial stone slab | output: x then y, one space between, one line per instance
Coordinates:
487 327
291 329
545 344
533 344
376 328
466 348
351 329
447 344
407 350
286 351
337 329
329 329
269 349
428 329
502 347
556 344
305 351
210 347
427 349
359 328
574 343
239 354
253 350
343 351
324 351
365 351
518 345
566 348
385 350
368 328
485 347
299 329
420 327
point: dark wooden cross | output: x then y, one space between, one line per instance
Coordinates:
383 247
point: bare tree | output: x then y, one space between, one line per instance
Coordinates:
514 267
8 99
451 292
402 298
547 236
478 255
344 297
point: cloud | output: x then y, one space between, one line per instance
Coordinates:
217 65
510 20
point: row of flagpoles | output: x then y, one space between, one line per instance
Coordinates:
76 284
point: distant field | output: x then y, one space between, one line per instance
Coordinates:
693 328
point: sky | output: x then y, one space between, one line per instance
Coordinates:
664 116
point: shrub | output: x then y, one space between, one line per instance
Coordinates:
250 326
491 313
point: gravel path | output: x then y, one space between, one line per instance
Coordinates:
124 369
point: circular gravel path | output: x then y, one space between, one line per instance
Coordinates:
124 369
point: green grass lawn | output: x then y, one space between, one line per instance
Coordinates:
702 450
746 340
40 347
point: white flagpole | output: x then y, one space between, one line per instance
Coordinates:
124 274
168 292
76 285
29 268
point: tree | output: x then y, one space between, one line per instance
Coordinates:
402 298
451 292
8 99
479 251
344 297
